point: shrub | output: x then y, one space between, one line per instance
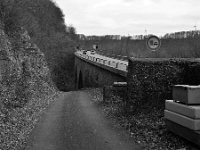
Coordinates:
150 81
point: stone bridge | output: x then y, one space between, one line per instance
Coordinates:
92 69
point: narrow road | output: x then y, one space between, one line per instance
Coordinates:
73 122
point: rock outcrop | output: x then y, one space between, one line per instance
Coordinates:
25 87
21 62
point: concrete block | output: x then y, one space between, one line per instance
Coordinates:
120 84
190 135
186 94
191 111
193 124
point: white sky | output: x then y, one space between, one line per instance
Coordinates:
131 17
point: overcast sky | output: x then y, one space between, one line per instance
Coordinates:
131 17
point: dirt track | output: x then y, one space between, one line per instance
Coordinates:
73 122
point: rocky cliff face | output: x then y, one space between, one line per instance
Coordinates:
21 61
25 87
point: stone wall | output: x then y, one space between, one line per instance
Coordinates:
150 81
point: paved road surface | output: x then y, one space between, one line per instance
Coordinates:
73 122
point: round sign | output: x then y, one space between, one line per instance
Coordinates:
153 43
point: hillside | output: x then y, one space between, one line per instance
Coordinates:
45 24
187 47
35 46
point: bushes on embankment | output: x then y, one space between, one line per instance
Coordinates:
150 81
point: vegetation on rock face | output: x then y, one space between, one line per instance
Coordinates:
24 86
33 38
45 24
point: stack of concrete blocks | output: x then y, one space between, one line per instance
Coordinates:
182 114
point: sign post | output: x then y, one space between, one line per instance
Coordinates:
153 43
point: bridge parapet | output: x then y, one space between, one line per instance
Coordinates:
114 56
92 69
118 64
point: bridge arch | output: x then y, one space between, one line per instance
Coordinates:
76 77
80 80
